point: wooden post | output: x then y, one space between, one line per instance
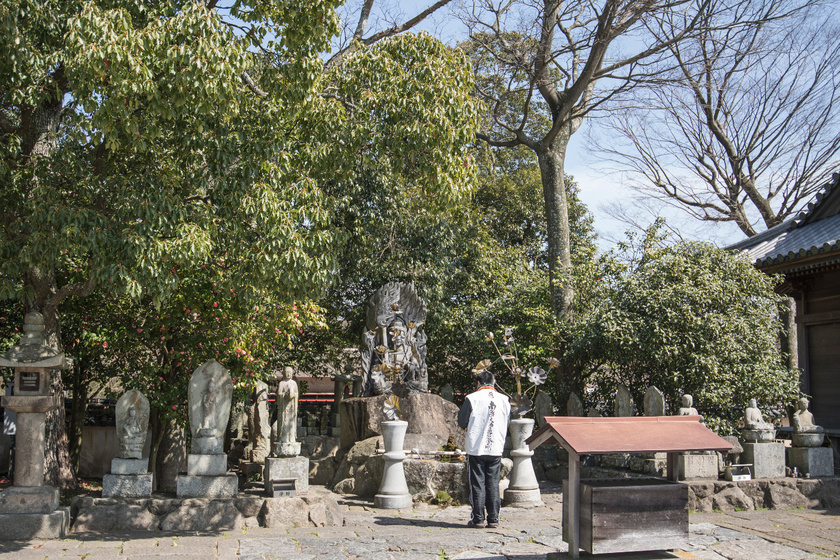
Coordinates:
574 505
673 473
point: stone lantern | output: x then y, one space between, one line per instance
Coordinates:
29 509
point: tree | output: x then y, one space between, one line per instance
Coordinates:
142 141
687 318
541 68
744 126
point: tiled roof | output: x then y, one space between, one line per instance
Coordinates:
814 231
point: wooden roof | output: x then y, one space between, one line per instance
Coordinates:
632 434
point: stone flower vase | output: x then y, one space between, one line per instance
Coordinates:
524 490
393 491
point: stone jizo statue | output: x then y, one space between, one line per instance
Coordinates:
259 427
687 408
805 432
755 428
132 417
209 395
285 444
654 402
624 402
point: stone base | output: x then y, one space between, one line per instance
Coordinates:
522 498
767 459
249 468
28 499
390 501
26 526
286 449
697 467
206 464
127 485
287 467
812 461
196 486
129 466
207 445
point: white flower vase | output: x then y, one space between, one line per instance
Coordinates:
393 491
524 490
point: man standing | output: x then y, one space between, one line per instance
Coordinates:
485 415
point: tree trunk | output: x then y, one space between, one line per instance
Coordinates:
552 161
170 453
77 415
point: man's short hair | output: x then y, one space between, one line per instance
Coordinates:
485 377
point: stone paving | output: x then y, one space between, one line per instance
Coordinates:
432 533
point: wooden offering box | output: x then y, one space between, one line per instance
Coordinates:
630 515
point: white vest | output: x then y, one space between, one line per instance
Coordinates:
488 423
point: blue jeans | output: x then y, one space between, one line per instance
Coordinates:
484 471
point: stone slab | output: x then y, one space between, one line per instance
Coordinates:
697 467
287 467
27 526
206 465
129 466
127 485
767 459
196 486
29 499
813 461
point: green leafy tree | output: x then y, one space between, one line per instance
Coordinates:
138 141
687 318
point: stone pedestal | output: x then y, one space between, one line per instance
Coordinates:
26 526
812 461
393 491
199 486
129 478
277 468
127 485
693 466
524 490
767 459
207 477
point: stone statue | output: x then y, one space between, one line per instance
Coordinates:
447 392
542 407
394 343
286 444
574 406
132 417
687 408
755 428
209 394
654 402
805 432
624 402
259 426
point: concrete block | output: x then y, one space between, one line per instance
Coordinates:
697 467
767 459
813 461
193 486
127 485
29 499
284 468
206 465
129 466
27 526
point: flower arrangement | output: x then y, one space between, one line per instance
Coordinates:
520 402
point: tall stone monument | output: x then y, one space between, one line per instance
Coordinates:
654 402
285 467
574 406
130 476
259 425
807 455
210 393
29 509
624 402
760 450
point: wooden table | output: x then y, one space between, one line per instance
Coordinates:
634 434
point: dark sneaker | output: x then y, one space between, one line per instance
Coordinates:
492 524
479 525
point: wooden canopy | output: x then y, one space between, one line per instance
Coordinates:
631 434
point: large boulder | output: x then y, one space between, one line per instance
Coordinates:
431 420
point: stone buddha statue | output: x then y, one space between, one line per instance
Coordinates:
805 432
755 428
687 408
